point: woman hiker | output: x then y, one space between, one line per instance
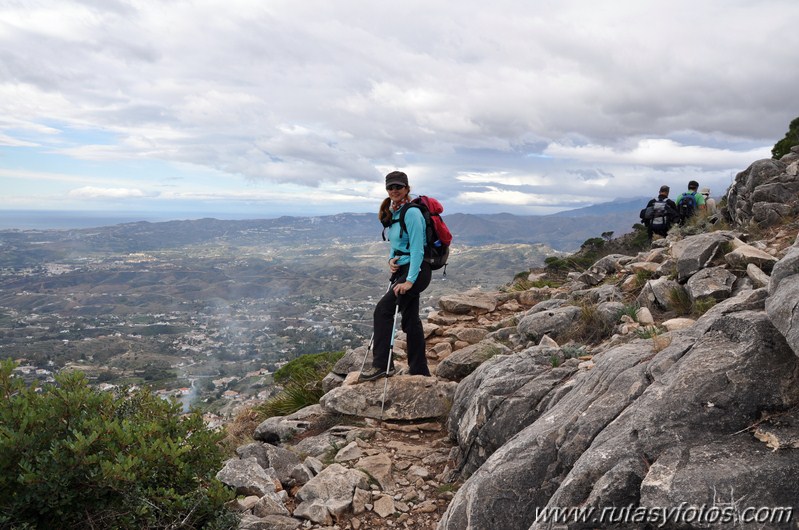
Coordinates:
410 275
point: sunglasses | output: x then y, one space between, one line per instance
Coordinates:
394 187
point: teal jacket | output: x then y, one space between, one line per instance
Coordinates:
411 243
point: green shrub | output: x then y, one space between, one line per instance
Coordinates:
702 305
314 362
591 327
74 457
648 332
631 310
641 277
301 379
640 238
572 351
683 304
680 300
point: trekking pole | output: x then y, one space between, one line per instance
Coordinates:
372 338
390 354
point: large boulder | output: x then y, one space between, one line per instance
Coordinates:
696 252
764 193
352 361
329 494
470 302
782 304
594 447
659 294
281 428
462 362
247 477
407 397
744 255
281 460
713 283
553 322
501 397
719 473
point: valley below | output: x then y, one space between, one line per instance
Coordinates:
204 311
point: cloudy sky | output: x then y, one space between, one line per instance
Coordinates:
269 107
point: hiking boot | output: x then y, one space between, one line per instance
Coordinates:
375 373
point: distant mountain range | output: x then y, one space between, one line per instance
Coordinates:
564 231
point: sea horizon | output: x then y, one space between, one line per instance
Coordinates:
71 219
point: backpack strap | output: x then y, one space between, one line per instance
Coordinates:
401 221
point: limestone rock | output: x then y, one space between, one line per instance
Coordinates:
408 397
471 334
474 302
718 474
281 428
552 322
463 362
676 324
267 455
270 522
270 504
745 255
384 506
782 304
378 467
689 396
695 253
758 277
715 283
603 293
350 362
643 266
332 381
644 316
329 494
759 180
351 451
501 397
247 477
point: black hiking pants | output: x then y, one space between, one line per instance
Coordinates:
411 323
661 230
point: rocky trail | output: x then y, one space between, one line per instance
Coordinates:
667 377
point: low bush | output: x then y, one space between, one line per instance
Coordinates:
301 380
631 310
75 457
591 327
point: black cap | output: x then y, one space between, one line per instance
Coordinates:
693 185
397 177
664 188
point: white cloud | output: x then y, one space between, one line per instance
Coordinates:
501 177
658 152
536 97
91 192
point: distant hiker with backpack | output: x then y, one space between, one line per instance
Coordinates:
689 202
410 275
659 214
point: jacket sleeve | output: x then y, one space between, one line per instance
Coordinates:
414 221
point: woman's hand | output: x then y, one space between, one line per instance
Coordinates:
402 288
392 264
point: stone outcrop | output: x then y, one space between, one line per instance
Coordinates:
408 397
765 193
783 303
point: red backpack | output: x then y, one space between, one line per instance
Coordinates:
437 235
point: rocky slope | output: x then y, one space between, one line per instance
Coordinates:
663 383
